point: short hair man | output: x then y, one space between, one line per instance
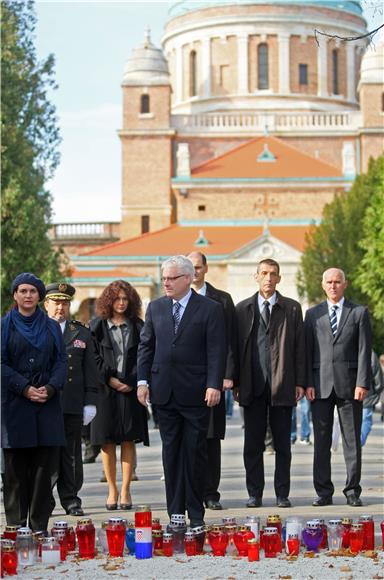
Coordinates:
271 378
216 430
338 339
79 394
180 364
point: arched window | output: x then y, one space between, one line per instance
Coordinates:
192 74
262 66
144 104
335 72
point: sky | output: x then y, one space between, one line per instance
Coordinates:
91 41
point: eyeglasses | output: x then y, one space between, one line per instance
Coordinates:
171 278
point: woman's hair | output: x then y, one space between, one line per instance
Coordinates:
104 304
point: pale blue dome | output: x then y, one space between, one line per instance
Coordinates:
181 7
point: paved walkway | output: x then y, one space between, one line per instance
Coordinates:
150 489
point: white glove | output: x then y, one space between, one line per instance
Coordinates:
89 413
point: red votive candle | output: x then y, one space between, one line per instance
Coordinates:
9 559
190 544
356 538
253 550
346 523
167 545
10 532
61 537
116 537
85 532
293 545
368 532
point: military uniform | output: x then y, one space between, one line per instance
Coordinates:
80 390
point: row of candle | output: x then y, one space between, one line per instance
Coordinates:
146 538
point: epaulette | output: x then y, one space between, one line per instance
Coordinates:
78 323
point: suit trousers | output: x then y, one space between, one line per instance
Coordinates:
350 416
27 485
69 477
213 470
183 432
255 425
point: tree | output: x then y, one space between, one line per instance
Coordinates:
347 238
30 140
371 269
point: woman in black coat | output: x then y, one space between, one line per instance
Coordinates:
120 419
33 372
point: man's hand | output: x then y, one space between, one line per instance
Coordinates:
119 386
236 394
36 394
143 394
300 393
212 397
227 384
310 393
360 394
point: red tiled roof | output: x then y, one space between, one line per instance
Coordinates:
242 162
176 239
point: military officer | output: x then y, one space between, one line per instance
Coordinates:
79 395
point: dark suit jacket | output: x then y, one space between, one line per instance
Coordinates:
83 378
287 349
216 427
187 363
342 361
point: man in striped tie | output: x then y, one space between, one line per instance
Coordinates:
338 340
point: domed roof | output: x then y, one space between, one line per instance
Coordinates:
147 65
372 64
182 6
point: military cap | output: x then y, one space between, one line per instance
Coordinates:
60 291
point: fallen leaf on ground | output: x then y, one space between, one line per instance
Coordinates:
345 569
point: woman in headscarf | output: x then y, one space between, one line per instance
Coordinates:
33 370
120 420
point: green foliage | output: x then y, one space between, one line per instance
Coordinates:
371 269
30 140
351 237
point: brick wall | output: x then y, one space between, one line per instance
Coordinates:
303 51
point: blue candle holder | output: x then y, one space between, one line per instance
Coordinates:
130 541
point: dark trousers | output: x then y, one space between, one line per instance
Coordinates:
69 477
27 485
183 432
255 426
213 470
350 416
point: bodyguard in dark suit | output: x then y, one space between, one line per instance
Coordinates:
271 378
181 362
338 337
216 429
79 395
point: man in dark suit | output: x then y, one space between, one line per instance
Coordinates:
180 364
338 338
216 429
271 378
79 395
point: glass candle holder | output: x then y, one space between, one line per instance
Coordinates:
115 537
38 538
292 544
335 535
25 547
270 542
10 532
71 539
8 557
177 528
130 540
156 524
231 529
312 535
157 540
274 521
218 538
229 521
240 538
143 532
324 540
356 538
85 532
254 523
59 525
207 546
368 532
102 538
346 523
253 550
293 527
190 544
50 551
61 537
167 544
199 534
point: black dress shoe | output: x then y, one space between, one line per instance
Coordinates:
75 511
324 500
211 504
283 502
111 506
254 502
354 501
125 506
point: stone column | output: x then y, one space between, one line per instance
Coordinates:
351 72
242 63
322 89
206 66
284 87
179 74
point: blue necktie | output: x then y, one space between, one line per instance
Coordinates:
176 316
333 320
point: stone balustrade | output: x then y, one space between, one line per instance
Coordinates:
81 230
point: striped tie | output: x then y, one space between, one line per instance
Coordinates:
176 316
333 319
